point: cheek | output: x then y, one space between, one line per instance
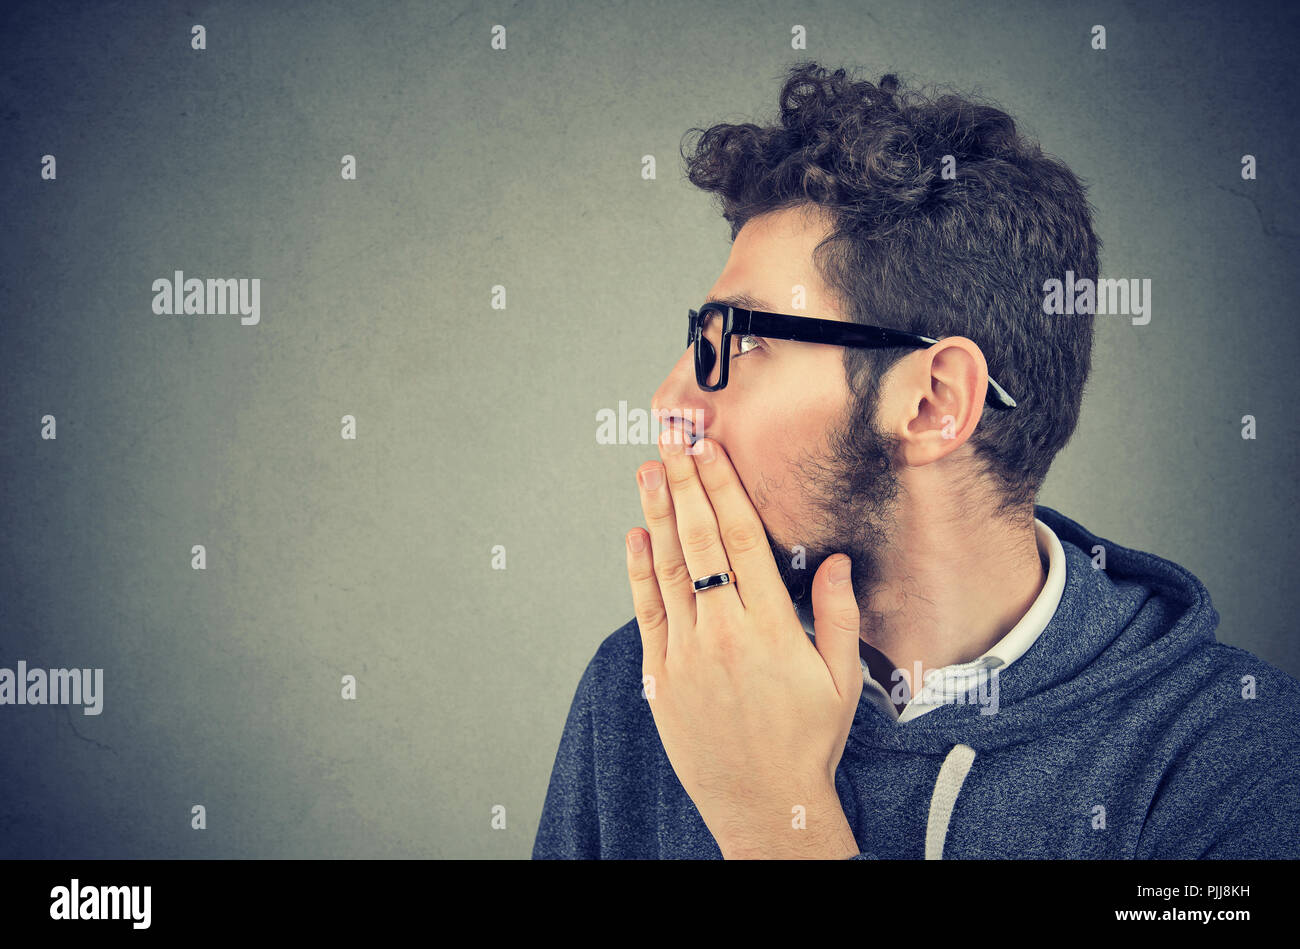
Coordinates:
760 473
764 456
770 440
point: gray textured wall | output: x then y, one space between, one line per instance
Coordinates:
476 426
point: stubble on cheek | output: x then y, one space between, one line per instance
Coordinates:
772 498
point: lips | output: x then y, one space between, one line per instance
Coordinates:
681 433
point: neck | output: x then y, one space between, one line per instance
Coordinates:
949 589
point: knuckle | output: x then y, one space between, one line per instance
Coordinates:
725 643
650 615
660 514
743 538
672 572
847 618
699 539
681 477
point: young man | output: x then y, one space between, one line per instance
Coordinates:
989 678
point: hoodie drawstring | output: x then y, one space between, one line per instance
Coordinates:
946 788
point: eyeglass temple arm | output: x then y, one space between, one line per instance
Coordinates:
780 326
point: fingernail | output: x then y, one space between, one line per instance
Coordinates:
704 449
652 478
840 571
636 541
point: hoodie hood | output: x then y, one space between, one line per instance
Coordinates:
1114 631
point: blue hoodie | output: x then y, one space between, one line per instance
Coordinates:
1125 731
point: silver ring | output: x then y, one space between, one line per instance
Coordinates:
716 580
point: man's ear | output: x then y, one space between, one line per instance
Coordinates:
938 398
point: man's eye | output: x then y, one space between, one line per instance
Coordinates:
741 342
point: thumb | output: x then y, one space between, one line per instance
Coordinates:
836 623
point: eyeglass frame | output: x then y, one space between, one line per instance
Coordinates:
739 321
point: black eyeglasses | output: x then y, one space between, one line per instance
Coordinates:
713 327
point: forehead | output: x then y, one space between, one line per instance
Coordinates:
771 259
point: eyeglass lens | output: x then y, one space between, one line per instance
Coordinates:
710 345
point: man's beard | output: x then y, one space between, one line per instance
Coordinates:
849 497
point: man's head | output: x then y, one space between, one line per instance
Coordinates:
870 205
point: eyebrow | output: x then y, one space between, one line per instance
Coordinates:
746 302
741 301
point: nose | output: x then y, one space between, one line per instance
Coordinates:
680 398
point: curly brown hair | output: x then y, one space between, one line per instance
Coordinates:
910 249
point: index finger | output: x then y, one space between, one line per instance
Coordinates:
758 581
